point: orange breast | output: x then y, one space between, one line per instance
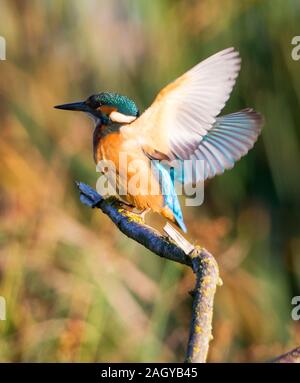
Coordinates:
135 182
108 148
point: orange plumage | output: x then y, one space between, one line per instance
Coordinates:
183 123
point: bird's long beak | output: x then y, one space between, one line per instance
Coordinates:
79 106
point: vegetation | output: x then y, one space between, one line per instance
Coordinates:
76 288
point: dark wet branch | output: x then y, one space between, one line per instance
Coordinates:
202 263
132 228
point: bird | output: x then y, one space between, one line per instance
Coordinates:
183 123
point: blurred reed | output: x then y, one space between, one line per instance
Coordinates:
76 289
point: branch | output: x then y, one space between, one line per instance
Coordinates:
207 279
202 263
292 356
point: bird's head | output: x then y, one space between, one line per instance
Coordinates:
105 107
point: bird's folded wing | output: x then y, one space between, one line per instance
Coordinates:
186 109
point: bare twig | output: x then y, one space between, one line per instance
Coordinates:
202 263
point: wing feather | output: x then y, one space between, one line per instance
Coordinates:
231 137
182 121
186 109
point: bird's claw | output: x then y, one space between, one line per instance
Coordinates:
134 217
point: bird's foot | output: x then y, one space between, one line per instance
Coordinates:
132 214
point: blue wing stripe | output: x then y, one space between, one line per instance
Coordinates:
169 193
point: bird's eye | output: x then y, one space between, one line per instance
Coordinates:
93 103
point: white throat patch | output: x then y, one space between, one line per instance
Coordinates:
121 118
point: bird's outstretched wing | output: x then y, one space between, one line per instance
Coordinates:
186 109
184 113
230 138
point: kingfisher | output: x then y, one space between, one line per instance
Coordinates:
181 124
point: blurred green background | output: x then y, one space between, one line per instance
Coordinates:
76 288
